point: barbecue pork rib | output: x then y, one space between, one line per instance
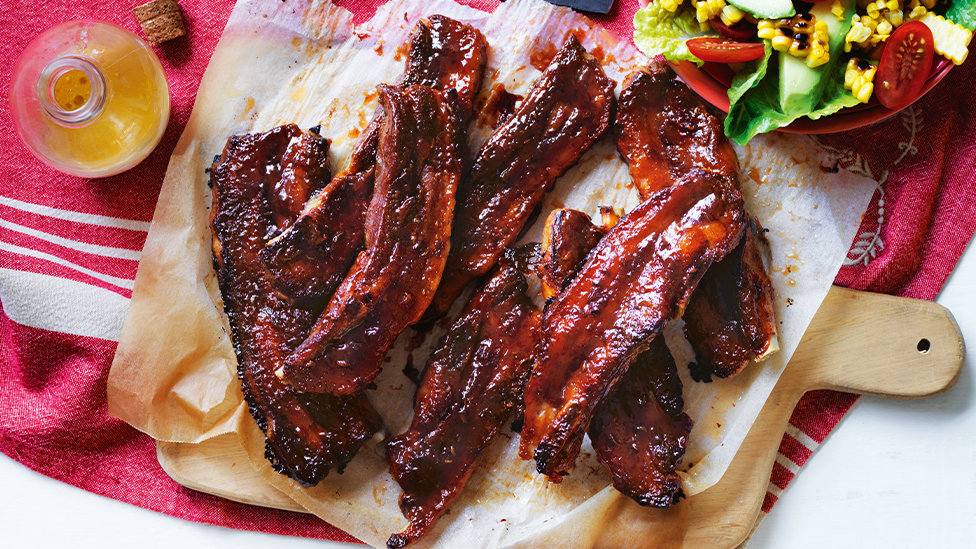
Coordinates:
307 435
564 113
302 171
447 55
567 237
408 227
664 131
638 278
730 320
309 261
472 385
639 432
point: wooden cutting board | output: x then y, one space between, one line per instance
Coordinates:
858 342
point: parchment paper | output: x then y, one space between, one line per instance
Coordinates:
174 375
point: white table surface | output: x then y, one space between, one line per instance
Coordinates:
894 474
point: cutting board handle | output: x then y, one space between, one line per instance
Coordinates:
858 342
880 345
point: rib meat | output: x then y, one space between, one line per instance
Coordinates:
664 130
303 170
639 432
638 278
730 320
566 110
309 261
447 55
472 385
408 226
567 237
637 436
307 435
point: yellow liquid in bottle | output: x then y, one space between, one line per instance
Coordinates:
72 90
131 120
100 106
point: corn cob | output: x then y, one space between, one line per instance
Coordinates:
859 78
802 36
951 40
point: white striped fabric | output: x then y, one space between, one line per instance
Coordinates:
32 297
77 217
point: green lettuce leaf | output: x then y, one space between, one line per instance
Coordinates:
754 94
658 31
750 75
755 106
963 12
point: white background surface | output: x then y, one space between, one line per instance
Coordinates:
894 474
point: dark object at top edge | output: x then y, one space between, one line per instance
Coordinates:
593 6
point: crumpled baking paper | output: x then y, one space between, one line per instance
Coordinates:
174 374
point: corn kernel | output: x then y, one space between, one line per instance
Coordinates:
860 33
708 9
803 36
781 43
766 29
731 15
838 10
874 9
671 5
819 49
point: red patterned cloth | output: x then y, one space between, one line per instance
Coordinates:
61 236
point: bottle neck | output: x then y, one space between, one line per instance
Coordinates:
83 110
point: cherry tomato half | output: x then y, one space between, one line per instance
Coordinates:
722 50
741 31
904 66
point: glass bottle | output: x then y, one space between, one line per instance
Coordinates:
89 98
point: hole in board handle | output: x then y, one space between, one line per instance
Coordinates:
923 346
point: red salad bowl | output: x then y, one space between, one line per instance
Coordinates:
712 81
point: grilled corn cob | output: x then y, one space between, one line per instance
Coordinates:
802 36
859 78
951 40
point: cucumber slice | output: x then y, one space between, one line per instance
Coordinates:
766 9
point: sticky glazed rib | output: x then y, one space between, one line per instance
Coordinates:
304 170
408 227
566 110
567 237
307 435
638 278
472 385
447 55
309 261
730 320
664 131
639 431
